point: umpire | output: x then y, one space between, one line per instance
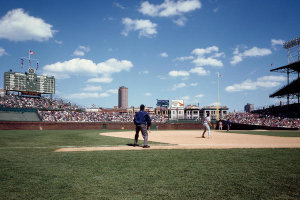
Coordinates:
142 123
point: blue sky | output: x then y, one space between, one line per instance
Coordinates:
162 49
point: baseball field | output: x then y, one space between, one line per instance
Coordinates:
95 164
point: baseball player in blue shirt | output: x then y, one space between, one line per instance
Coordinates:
142 123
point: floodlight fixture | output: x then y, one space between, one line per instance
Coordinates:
291 43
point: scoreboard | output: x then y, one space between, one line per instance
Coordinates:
29 82
162 103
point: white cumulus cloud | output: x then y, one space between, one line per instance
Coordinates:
179 85
84 66
86 95
119 5
81 51
184 58
2 51
104 79
178 73
200 71
164 55
144 72
261 82
90 88
199 96
253 52
148 94
275 42
180 21
145 27
208 56
17 25
112 91
169 8
186 98
202 51
208 62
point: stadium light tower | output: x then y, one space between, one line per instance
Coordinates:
218 98
293 55
293 48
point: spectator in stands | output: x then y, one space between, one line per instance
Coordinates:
220 125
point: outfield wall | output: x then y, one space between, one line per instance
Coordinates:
5 125
9 125
236 126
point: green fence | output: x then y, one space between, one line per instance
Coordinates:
6 109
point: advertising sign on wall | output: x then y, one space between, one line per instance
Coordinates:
162 103
177 103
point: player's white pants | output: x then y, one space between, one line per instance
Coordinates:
206 127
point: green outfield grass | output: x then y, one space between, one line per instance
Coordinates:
27 172
55 138
280 133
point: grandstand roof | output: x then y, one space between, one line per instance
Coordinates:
292 89
292 67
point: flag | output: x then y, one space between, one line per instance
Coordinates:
22 63
31 52
37 65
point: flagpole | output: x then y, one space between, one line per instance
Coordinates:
218 99
29 58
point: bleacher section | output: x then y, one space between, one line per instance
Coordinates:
291 111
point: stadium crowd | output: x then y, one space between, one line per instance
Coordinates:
77 116
57 110
15 101
263 120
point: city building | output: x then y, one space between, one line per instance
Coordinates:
176 111
192 112
161 111
248 107
150 110
123 97
132 110
212 112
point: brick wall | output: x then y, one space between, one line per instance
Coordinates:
90 125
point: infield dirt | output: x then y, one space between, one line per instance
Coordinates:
182 139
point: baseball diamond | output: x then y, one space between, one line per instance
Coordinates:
181 139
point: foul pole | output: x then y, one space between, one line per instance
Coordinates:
218 98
